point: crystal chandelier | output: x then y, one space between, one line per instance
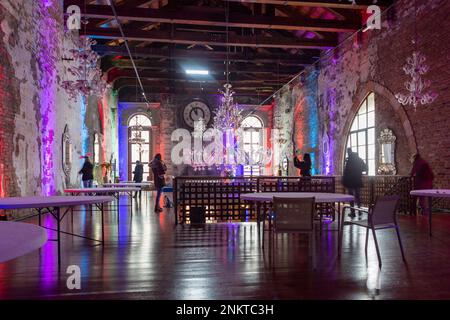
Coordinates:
228 115
87 75
136 137
416 67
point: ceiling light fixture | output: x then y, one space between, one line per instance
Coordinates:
197 72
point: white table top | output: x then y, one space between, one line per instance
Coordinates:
18 239
101 190
52 201
320 197
128 184
438 193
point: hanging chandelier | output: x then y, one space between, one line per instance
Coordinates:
416 87
416 67
228 115
87 76
136 136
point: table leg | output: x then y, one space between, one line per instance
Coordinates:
339 223
40 213
130 195
103 224
58 219
258 219
430 213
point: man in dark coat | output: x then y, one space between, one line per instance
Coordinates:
159 169
423 179
138 175
352 177
87 172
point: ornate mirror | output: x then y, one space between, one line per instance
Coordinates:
386 143
66 152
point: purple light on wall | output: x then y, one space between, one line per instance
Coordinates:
46 58
328 135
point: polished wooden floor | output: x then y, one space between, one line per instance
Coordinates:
146 257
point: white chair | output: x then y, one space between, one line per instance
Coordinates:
382 215
294 215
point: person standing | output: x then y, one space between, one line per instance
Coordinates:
304 166
138 176
423 179
87 172
159 169
352 177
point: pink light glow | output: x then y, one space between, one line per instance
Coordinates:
47 66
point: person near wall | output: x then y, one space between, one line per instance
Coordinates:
423 179
304 166
138 176
352 177
159 169
87 172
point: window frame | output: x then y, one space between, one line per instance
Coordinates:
252 170
365 111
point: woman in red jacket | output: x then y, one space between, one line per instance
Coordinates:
423 179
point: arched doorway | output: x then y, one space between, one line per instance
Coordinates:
139 143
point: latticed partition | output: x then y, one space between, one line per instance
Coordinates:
374 186
219 197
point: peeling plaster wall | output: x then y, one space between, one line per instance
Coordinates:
34 109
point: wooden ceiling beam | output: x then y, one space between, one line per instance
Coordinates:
212 68
199 55
212 39
211 17
339 4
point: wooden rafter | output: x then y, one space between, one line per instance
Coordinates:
208 17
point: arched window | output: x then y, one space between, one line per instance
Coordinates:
361 138
253 141
139 143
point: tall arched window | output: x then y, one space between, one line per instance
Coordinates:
253 141
361 138
139 144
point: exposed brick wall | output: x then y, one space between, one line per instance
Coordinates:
9 102
373 61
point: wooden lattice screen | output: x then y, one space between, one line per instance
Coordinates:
219 197
374 186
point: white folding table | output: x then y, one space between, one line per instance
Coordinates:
430 194
129 184
54 205
113 191
18 239
320 197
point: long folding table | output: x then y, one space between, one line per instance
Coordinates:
54 205
112 191
430 194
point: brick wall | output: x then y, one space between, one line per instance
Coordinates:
373 62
